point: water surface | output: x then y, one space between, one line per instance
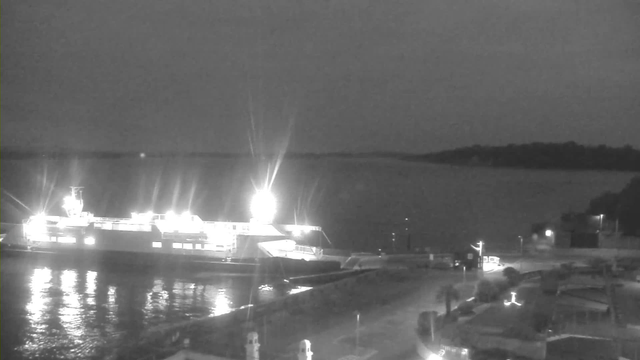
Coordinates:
78 311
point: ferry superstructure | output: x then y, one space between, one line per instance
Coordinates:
172 235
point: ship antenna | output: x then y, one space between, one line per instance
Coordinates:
73 204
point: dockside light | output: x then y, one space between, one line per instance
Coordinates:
263 206
89 241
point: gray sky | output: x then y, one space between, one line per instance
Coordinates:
335 75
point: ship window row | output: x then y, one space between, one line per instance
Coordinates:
123 226
63 239
190 246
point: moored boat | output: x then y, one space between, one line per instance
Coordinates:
176 238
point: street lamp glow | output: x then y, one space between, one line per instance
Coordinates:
548 233
263 206
601 218
479 249
512 301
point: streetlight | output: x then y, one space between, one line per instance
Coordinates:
601 217
521 246
521 251
357 313
393 241
408 234
464 274
548 233
479 250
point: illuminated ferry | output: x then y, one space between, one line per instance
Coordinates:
179 236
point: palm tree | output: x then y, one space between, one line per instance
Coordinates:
447 293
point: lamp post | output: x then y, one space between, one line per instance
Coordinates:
357 330
601 217
393 242
521 246
479 250
464 274
406 228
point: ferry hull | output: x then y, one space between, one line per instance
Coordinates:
277 267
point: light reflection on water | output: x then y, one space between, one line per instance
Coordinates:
40 282
85 313
222 304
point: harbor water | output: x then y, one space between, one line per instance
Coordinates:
75 310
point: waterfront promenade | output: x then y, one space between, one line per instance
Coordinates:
388 311
388 303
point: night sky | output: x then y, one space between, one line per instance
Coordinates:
318 75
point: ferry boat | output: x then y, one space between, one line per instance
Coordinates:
184 238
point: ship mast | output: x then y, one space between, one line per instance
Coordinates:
73 203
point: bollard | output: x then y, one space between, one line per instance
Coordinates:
304 353
186 343
252 346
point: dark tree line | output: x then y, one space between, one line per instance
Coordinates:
623 206
569 156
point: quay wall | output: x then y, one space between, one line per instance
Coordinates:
224 334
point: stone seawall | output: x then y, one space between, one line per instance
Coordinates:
276 320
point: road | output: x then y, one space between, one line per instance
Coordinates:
388 332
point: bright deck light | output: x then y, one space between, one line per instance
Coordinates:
171 216
263 207
89 241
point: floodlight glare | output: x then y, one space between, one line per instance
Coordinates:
263 206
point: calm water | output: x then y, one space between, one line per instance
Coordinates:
76 311
67 311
